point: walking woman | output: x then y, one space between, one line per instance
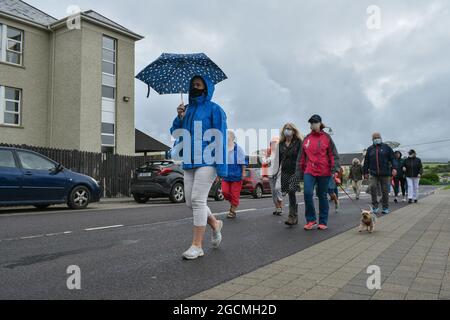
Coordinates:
272 170
200 173
414 170
232 183
356 175
319 162
290 148
400 178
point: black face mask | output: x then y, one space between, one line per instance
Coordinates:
195 93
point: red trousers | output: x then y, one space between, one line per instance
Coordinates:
232 192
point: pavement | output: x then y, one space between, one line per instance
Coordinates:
410 246
131 251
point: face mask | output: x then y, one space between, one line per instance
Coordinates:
315 126
288 133
195 93
377 141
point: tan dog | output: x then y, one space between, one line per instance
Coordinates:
368 221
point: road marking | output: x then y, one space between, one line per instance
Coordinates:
32 237
58 234
103 228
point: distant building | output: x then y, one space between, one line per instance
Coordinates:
150 146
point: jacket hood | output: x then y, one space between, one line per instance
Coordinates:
209 91
401 155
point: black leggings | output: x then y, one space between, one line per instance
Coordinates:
402 183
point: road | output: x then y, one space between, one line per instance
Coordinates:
135 252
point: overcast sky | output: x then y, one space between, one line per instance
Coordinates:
287 60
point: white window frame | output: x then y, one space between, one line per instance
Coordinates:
114 76
4 45
3 110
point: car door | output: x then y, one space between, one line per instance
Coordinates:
10 177
40 180
265 181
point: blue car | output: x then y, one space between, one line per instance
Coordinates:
29 178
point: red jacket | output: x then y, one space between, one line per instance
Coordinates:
319 155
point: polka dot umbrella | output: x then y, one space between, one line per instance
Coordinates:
171 72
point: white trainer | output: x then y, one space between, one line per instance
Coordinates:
216 238
193 253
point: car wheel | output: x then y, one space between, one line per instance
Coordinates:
41 206
139 198
219 195
177 193
79 198
258 192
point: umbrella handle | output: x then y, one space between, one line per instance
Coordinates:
182 101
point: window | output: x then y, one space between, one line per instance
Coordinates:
33 161
10 104
7 159
109 93
108 134
109 67
11 44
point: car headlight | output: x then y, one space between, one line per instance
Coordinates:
95 182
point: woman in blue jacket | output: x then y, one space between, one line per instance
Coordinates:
202 126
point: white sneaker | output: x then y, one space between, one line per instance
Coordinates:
193 253
216 238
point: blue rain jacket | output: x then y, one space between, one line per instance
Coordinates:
236 160
211 116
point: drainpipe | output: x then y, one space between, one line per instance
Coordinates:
52 98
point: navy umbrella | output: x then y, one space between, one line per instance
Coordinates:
172 73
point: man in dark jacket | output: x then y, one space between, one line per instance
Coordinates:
379 165
413 169
356 176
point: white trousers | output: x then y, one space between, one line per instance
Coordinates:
413 188
197 184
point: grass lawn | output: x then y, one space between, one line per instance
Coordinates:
447 188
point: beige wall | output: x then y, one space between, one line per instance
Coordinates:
64 112
91 85
90 95
125 88
33 79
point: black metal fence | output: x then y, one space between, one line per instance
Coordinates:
115 172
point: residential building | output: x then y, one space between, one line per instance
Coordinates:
66 83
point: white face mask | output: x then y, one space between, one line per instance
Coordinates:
315 126
288 133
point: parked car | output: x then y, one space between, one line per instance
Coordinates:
159 179
29 178
255 183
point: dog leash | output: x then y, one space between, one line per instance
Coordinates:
351 200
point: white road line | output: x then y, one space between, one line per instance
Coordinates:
103 228
32 237
58 234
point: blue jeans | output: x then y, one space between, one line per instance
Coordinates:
322 189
